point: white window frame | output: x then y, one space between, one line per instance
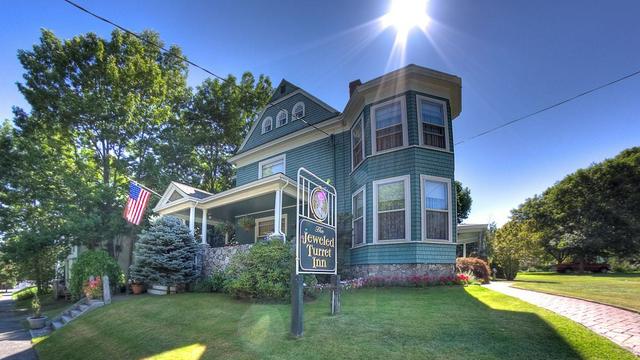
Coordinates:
403 114
419 99
267 218
293 111
362 190
407 208
361 120
270 119
286 118
423 208
269 161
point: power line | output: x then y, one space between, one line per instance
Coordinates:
166 51
550 107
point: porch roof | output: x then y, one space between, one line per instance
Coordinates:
176 199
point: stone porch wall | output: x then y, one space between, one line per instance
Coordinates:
368 270
218 258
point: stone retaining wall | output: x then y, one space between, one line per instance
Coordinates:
218 258
368 270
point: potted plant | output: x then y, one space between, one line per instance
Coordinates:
247 223
37 321
137 287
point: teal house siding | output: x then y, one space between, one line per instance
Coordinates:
330 159
314 113
411 253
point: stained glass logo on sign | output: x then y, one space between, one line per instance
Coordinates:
319 203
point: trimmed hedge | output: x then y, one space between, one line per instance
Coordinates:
26 293
477 266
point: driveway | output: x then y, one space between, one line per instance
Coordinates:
15 341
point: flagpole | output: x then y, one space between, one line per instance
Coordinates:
144 187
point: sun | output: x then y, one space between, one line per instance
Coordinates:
405 15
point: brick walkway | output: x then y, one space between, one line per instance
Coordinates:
620 326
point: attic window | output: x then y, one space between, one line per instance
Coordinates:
298 111
282 118
267 125
282 89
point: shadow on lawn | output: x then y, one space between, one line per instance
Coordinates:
394 323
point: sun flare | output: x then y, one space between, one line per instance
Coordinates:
404 15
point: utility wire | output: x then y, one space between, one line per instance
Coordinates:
324 132
166 51
550 107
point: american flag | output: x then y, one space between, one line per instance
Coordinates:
137 203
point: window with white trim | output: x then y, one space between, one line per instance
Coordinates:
267 125
298 111
436 208
282 118
271 166
357 222
433 120
389 122
265 226
357 143
391 209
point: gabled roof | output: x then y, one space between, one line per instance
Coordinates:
177 193
288 92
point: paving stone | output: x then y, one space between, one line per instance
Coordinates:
620 326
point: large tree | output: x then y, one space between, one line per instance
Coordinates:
108 100
463 202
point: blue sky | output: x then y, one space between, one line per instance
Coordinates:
514 57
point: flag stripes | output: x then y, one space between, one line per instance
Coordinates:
136 204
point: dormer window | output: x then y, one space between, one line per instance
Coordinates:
298 111
282 118
267 125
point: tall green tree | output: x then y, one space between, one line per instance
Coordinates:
463 202
213 127
109 100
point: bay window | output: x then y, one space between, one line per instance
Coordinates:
391 202
357 222
389 125
436 208
433 122
357 143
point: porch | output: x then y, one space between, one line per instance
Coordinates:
471 240
240 215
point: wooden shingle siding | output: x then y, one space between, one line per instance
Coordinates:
314 113
404 253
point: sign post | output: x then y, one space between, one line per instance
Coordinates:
316 241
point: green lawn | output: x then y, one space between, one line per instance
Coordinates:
621 290
433 323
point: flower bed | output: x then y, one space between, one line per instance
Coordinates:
403 281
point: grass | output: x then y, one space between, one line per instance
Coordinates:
403 323
622 290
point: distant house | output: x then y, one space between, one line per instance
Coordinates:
389 154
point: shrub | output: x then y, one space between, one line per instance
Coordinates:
623 266
26 293
213 283
36 308
92 263
263 272
165 254
477 266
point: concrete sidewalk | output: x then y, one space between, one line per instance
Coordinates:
15 341
619 326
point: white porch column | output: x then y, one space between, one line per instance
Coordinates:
204 226
277 221
192 220
464 250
